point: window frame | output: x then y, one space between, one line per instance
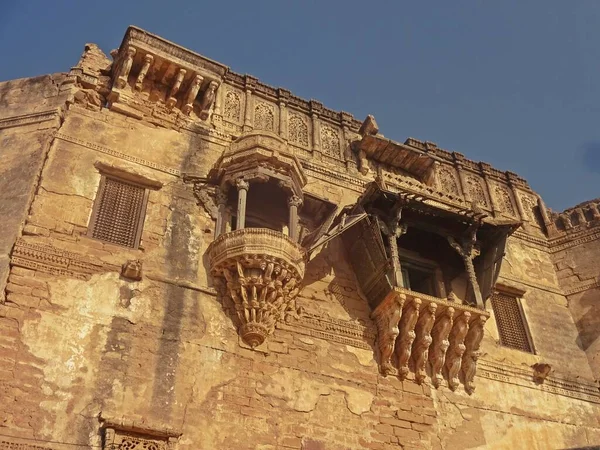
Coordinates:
409 260
517 295
96 209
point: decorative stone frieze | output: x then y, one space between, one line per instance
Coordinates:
263 270
423 328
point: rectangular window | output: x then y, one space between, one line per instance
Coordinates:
118 214
511 323
420 277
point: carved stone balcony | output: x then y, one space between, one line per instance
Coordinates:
419 328
263 270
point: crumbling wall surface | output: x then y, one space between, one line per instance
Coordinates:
29 114
82 345
577 268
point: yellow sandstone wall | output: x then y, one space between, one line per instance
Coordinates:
78 342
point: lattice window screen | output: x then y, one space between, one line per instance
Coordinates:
118 212
511 322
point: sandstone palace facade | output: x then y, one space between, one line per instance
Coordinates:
191 259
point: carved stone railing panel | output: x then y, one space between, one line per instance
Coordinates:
418 328
263 270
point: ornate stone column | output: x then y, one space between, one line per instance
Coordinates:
192 92
139 82
221 212
242 188
249 110
125 68
284 96
294 202
468 251
315 110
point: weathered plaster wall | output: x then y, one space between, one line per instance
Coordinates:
29 114
79 342
579 274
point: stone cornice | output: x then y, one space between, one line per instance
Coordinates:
116 154
52 260
573 240
554 384
28 119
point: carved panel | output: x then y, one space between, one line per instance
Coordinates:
330 141
116 439
447 181
232 108
298 130
529 208
5 445
264 117
504 201
476 190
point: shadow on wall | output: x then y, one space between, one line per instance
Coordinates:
589 324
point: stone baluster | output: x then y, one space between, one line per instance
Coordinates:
440 344
294 202
472 353
456 348
566 220
191 94
407 335
125 68
207 99
242 188
581 220
423 340
217 115
387 317
139 82
171 101
221 212
595 213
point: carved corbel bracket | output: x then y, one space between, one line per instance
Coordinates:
387 317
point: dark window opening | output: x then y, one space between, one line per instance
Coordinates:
511 323
419 279
118 214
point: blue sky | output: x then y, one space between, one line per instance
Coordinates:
511 83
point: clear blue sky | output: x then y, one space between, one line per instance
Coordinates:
509 82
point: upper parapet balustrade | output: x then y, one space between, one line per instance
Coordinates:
579 218
170 75
263 270
429 334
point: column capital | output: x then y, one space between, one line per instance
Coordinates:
295 200
241 184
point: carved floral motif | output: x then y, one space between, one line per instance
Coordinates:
447 181
529 208
233 106
330 141
263 270
264 117
503 200
476 190
298 130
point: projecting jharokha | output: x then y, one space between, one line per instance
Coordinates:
192 259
